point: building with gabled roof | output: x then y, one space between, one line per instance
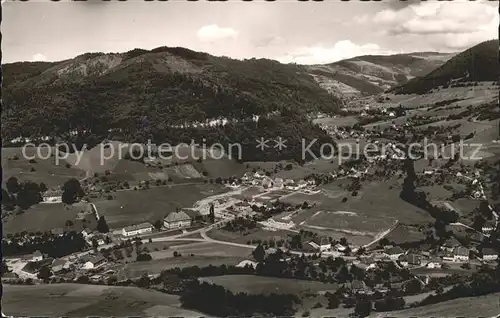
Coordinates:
177 220
137 229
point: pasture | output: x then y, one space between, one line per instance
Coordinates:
203 249
137 206
136 269
266 285
48 171
75 300
44 217
481 306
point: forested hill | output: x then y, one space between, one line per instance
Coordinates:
170 86
477 64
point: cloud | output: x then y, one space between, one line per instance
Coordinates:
463 18
457 24
38 57
328 54
213 32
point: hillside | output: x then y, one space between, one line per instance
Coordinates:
171 86
373 74
477 64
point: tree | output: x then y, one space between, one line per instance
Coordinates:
5 268
12 185
158 224
44 273
42 187
363 308
95 244
72 191
333 301
28 194
143 257
259 253
102 226
68 223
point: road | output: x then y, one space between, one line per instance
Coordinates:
382 235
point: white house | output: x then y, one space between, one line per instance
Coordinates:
176 220
302 184
259 174
278 183
138 229
52 196
461 254
321 244
433 265
37 256
247 176
59 264
267 182
94 263
489 254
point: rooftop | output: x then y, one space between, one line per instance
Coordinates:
395 250
461 251
177 217
137 227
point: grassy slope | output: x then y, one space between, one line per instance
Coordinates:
477 64
73 300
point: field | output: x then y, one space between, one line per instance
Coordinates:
156 266
374 209
266 285
482 306
44 217
258 234
203 249
74 300
137 206
46 170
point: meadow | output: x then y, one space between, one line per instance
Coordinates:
137 206
75 300
265 285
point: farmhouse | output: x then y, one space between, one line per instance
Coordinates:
59 264
301 184
52 196
488 227
176 220
394 252
259 174
489 254
37 256
278 183
461 254
321 244
94 262
138 229
410 259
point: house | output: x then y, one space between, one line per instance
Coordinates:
247 176
451 244
59 264
321 244
433 265
394 252
311 182
138 229
356 286
278 183
52 196
177 220
410 259
488 227
259 174
94 262
461 254
489 254
57 231
289 182
37 256
267 182
248 263
302 184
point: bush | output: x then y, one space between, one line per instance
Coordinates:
144 257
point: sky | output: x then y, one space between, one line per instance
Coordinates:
285 30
